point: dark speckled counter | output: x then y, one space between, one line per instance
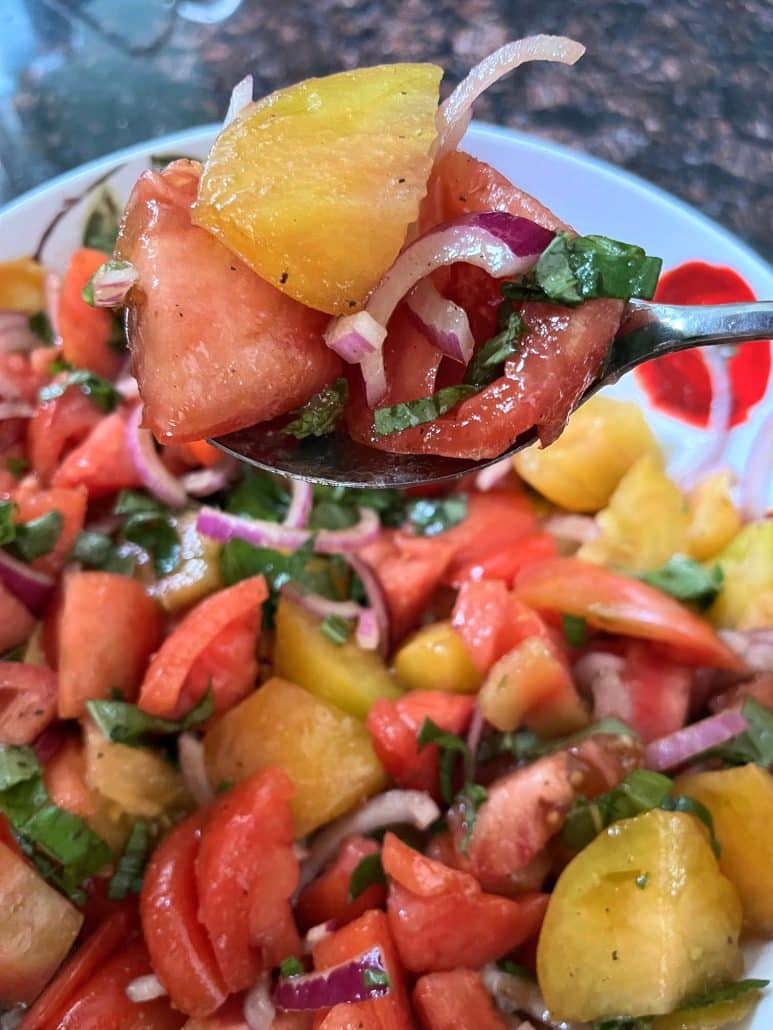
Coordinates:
678 91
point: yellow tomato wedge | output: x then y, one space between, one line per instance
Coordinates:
315 185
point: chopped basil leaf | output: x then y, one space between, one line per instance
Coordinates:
100 391
429 516
336 629
127 878
573 269
368 872
7 524
59 365
30 540
129 502
17 466
514 969
469 799
156 533
624 1023
259 496
16 654
575 630
524 746
63 846
727 993
335 507
376 978
451 747
290 967
97 551
320 415
125 723
686 580
395 418
41 326
683 803
101 229
488 361
753 745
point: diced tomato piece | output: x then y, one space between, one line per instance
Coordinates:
102 463
495 522
327 897
16 621
181 954
409 570
228 665
491 621
79 970
108 629
71 505
456 1000
164 691
249 351
440 918
57 427
27 701
618 604
652 695
64 775
103 1000
390 1012
86 331
394 727
505 563
247 871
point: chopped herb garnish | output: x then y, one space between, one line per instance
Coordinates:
125 723
129 502
335 507
336 629
320 415
573 269
29 540
368 872
396 417
625 1023
127 878
432 515
514 969
17 466
259 496
488 361
469 799
87 293
753 745
97 551
524 746
16 654
451 747
100 391
63 847
156 533
686 580
101 229
59 365
40 325
290 967
376 978
727 993
575 630
7 525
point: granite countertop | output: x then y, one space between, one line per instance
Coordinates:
676 91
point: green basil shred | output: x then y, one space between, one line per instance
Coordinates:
127 878
98 390
320 415
125 723
686 579
367 873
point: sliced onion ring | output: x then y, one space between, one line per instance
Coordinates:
301 500
151 470
502 244
52 288
414 807
241 96
755 497
493 475
444 323
677 748
335 986
455 112
33 588
15 333
111 282
224 527
203 482
190 752
695 466
366 633
377 604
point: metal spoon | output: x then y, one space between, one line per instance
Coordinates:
646 331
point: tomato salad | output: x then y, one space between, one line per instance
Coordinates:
283 757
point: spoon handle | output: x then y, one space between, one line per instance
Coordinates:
650 330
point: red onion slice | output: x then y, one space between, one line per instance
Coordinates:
15 333
241 96
335 986
444 323
203 482
52 288
493 475
455 112
128 387
377 604
414 807
190 752
502 244
366 634
755 494
301 500
145 988
111 282
577 529
677 748
151 470
224 527
32 588
695 466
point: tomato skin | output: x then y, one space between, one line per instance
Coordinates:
394 727
57 427
246 873
163 689
495 521
101 464
440 918
64 775
102 1003
108 629
621 605
71 505
327 897
16 621
27 701
85 331
390 1012
456 1000
79 970
491 621
228 665
180 951
505 564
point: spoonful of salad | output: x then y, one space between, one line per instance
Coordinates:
342 295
